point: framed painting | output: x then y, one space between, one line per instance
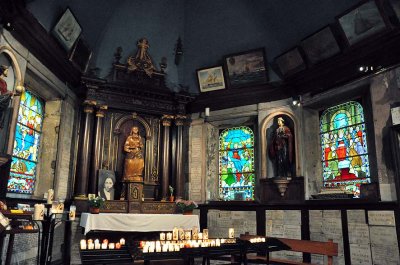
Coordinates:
246 68
106 184
211 79
80 55
289 62
361 22
67 30
320 46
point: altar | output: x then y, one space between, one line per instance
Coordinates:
137 222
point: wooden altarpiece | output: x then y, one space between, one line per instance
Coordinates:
134 94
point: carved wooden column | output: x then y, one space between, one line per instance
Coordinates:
179 180
82 171
96 149
166 122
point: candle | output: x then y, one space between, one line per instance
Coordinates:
175 234
212 243
38 213
158 248
205 233
111 245
104 246
177 248
231 233
151 249
72 211
89 241
170 247
200 236
117 245
169 236
162 236
50 196
83 244
122 241
97 245
195 232
90 246
188 235
146 249
217 242
105 241
165 248
207 112
181 234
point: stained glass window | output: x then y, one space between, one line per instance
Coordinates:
26 145
344 148
236 164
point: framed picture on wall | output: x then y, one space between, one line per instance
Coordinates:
289 62
361 22
80 55
106 184
246 68
320 45
211 78
67 30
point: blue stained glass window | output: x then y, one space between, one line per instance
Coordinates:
26 145
236 164
344 149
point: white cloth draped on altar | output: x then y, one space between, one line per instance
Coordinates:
137 222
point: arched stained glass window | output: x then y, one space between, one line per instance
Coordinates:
344 147
26 145
236 164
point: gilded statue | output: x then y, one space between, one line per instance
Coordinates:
142 60
134 162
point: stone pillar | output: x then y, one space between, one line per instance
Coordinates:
96 149
83 165
179 179
166 122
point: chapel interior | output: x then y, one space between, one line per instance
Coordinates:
275 119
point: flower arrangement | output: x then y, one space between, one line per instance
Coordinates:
185 206
96 202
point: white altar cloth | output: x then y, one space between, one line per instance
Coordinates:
137 222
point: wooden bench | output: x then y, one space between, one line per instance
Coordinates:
329 249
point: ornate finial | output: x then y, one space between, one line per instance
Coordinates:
118 55
142 60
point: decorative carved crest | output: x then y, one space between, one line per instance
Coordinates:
142 60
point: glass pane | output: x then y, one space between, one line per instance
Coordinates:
236 164
26 145
344 147
22 176
30 118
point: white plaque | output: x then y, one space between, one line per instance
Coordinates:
395 115
360 254
381 218
356 216
385 254
383 235
358 233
